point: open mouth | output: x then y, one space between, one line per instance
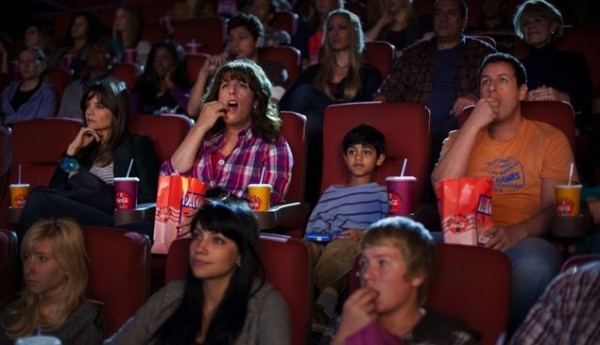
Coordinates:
232 105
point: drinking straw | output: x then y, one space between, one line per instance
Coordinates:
403 167
570 173
262 175
19 174
129 169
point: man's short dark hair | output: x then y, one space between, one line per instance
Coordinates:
516 65
364 135
249 21
462 5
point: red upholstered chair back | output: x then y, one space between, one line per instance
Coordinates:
208 31
558 114
288 56
286 263
9 254
193 64
471 284
285 20
119 272
37 146
487 39
166 131
126 72
406 130
294 131
59 78
380 54
359 9
5 159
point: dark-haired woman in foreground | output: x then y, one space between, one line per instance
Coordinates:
225 299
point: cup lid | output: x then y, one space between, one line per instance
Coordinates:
401 178
127 179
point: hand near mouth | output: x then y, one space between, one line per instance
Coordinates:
83 138
484 113
210 113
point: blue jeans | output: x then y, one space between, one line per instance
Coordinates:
534 263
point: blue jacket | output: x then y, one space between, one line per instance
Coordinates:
41 104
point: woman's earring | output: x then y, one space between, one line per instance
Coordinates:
239 263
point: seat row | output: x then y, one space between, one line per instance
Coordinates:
471 284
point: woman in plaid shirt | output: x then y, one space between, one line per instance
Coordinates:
236 141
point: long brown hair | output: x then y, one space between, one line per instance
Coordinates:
328 63
266 122
133 27
68 249
113 95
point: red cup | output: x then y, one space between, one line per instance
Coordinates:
126 192
401 191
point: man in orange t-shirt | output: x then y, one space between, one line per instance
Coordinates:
526 160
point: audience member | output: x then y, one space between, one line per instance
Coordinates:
341 76
81 187
552 74
224 299
163 87
236 140
36 34
438 72
83 29
52 301
193 9
526 159
126 33
396 22
245 34
567 313
265 11
396 267
101 57
30 97
311 21
495 23
343 213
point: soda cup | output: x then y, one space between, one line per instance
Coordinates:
568 200
126 192
259 195
400 190
18 194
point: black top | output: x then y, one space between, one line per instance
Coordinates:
563 70
21 97
145 167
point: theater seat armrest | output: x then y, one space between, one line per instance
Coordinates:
143 212
278 215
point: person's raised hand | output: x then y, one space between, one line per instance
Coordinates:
360 309
209 114
83 138
485 111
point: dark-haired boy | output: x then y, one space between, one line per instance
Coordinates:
342 213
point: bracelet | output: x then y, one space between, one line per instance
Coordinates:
69 164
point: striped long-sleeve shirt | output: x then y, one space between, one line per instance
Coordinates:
348 207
